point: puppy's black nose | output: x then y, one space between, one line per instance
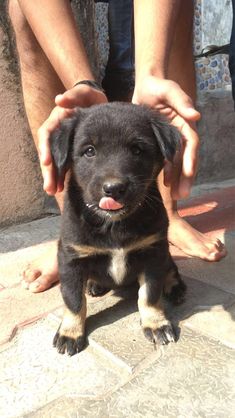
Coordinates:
115 189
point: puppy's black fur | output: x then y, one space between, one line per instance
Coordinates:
115 151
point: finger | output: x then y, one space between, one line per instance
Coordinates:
49 179
172 173
60 182
82 96
52 184
178 100
191 147
181 172
190 161
43 146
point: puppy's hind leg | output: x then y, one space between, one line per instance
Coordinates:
174 287
94 289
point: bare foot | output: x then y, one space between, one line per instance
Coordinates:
43 272
192 242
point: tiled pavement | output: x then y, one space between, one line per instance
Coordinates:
120 374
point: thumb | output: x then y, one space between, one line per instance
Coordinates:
69 99
82 96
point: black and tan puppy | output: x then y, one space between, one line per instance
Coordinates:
114 224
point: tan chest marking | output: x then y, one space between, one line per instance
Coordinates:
88 251
118 266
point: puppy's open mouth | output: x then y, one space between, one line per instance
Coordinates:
110 204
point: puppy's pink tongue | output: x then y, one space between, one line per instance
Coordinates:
108 203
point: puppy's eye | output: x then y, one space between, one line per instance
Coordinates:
90 151
136 150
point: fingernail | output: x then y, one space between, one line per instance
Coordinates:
58 98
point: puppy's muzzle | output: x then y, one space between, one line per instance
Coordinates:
114 194
116 189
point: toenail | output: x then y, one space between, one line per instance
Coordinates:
24 284
35 285
220 245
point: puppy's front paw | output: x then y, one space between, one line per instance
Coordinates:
162 335
68 345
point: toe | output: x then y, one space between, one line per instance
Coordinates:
217 255
29 275
42 283
165 334
215 251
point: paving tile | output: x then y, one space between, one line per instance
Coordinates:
220 274
218 323
212 220
211 211
28 234
208 188
218 198
200 297
192 379
113 322
33 373
113 327
19 307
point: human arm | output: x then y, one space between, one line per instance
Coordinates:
155 25
57 36
55 29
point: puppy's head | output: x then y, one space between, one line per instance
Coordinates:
115 152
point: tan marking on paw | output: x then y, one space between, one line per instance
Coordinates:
73 325
152 316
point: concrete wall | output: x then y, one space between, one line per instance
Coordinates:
216 22
217 137
21 195
213 23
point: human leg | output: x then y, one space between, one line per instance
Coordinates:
40 84
181 69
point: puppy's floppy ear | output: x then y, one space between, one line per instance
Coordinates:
61 142
167 136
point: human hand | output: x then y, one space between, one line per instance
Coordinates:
169 99
80 95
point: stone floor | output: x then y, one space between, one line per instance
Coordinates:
120 374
